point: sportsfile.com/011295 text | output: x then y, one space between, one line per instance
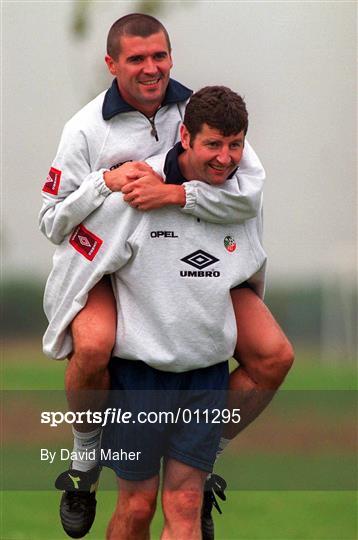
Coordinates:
113 415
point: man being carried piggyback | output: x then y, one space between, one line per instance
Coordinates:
138 117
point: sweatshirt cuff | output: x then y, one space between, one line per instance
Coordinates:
190 196
100 184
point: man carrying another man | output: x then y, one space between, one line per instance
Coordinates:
175 326
139 117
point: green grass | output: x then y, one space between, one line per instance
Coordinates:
311 373
246 471
24 367
248 515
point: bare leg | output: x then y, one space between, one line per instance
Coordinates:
134 511
264 354
93 332
182 500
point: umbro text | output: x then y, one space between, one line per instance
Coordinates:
199 273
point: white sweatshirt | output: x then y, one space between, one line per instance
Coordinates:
172 275
108 131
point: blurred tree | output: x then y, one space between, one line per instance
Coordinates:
82 8
80 17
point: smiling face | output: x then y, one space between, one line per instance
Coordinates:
142 70
210 156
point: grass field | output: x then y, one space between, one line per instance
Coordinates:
318 453
247 515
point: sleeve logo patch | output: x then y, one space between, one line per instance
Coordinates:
85 242
52 183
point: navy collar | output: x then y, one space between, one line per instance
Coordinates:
173 174
114 103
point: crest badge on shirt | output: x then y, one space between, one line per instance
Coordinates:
85 242
229 243
52 183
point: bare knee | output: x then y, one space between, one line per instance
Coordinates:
183 506
92 353
94 330
92 344
272 365
139 508
281 360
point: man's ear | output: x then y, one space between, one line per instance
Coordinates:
184 137
110 64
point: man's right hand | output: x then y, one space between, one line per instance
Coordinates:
128 172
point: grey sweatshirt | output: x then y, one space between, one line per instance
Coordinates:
172 275
108 131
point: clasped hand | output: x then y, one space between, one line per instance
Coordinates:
142 188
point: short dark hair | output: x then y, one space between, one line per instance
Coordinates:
134 24
220 108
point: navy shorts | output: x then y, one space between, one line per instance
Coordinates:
172 415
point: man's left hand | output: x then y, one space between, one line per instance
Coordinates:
150 192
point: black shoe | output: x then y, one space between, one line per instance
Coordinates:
214 485
78 502
77 512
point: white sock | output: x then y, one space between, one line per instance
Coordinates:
222 445
87 447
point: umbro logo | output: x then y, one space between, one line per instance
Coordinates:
52 184
199 259
85 242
